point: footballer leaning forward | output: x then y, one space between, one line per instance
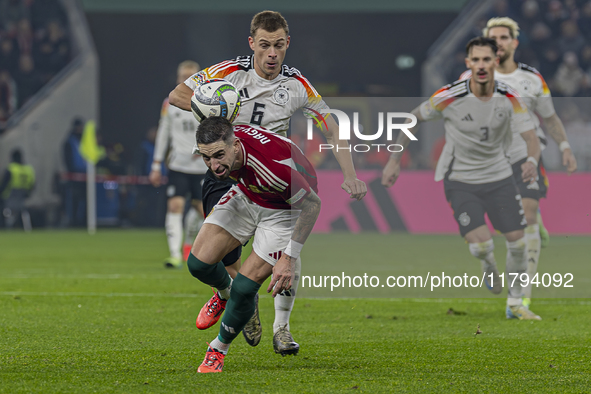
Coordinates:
270 92
275 200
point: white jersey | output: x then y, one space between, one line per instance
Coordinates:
477 133
534 92
177 130
263 102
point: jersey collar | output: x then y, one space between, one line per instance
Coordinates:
470 91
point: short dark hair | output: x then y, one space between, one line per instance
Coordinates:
481 42
17 156
214 129
269 21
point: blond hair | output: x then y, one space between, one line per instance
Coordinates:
502 22
189 64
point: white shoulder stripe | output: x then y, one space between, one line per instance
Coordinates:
438 98
214 69
264 176
452 91
220 69
281 181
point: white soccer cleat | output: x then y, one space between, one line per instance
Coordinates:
520 312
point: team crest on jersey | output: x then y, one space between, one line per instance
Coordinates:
464 219
525 84
281 96
499 113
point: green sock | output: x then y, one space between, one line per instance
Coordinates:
239 308
214 275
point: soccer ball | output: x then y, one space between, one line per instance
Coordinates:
215 97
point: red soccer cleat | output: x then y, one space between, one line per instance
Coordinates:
211 312
186 251
214 361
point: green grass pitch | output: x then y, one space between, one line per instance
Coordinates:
99 313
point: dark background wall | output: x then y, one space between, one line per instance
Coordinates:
341 54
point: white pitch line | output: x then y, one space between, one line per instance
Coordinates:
86 276
88 294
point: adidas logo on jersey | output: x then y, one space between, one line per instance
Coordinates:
468 118
276 255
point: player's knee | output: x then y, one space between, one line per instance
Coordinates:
516 247
176 204
198 268
531 217
481 249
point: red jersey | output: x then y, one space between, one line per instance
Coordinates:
275 173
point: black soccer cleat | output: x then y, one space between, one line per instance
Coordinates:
253 330
284 344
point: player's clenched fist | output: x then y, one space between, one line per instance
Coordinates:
155 178
390 173
355 187
569 161
529 172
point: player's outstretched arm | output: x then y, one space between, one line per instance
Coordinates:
556 130
181 97
355 187
283 271
392 169
529 169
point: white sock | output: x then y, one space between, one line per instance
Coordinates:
193 222
220 346
533 244
174 233
516 264
284 301
225 293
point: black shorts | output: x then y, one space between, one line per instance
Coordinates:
534 190
499 200
181 184
213 190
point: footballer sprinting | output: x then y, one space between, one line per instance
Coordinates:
536 95
480 117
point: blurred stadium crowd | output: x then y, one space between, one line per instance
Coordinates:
34 46
555 38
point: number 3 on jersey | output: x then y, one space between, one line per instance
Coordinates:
257 114
484 131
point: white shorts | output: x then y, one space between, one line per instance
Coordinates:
242 218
